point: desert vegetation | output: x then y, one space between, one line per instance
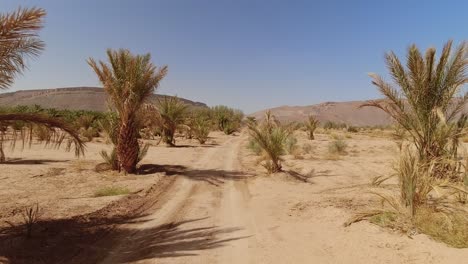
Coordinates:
428 107
171 115
205 189
19 40
227 119
273 138
311 125
128 80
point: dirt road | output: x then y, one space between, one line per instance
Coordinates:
217 213
205 217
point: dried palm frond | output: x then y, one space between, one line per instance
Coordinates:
18 40
57 131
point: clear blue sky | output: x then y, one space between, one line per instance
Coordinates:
246 54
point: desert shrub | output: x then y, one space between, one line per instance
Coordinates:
311 125
253 146
42 133
84 121
290 144
333 125
171 115
201 130
110 158
352 129
227 119
271 138
111 191
199 124
89 133
337 147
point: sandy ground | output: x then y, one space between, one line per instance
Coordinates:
215 205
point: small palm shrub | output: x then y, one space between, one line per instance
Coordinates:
84 121
227 119
311 125
272 140
171 114
428 104
201 129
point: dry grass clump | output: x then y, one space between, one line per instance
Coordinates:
338 147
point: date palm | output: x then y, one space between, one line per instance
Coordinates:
171 114
18 41
428 103
129 80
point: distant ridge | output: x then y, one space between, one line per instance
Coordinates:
73 98
339 112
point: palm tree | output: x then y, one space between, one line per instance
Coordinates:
129 80
271 137
171 114
18 41
426 105
311 125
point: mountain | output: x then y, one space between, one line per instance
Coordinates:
339 112
73 98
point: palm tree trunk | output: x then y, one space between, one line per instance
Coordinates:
127 145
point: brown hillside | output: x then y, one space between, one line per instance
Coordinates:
74 98
340 112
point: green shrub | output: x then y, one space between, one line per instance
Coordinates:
227 119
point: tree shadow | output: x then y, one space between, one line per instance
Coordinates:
55 240
92 237
19 161
213 177
167 240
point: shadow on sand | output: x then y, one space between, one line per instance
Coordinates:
90 239
19 161
214 177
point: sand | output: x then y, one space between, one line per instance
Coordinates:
215 204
